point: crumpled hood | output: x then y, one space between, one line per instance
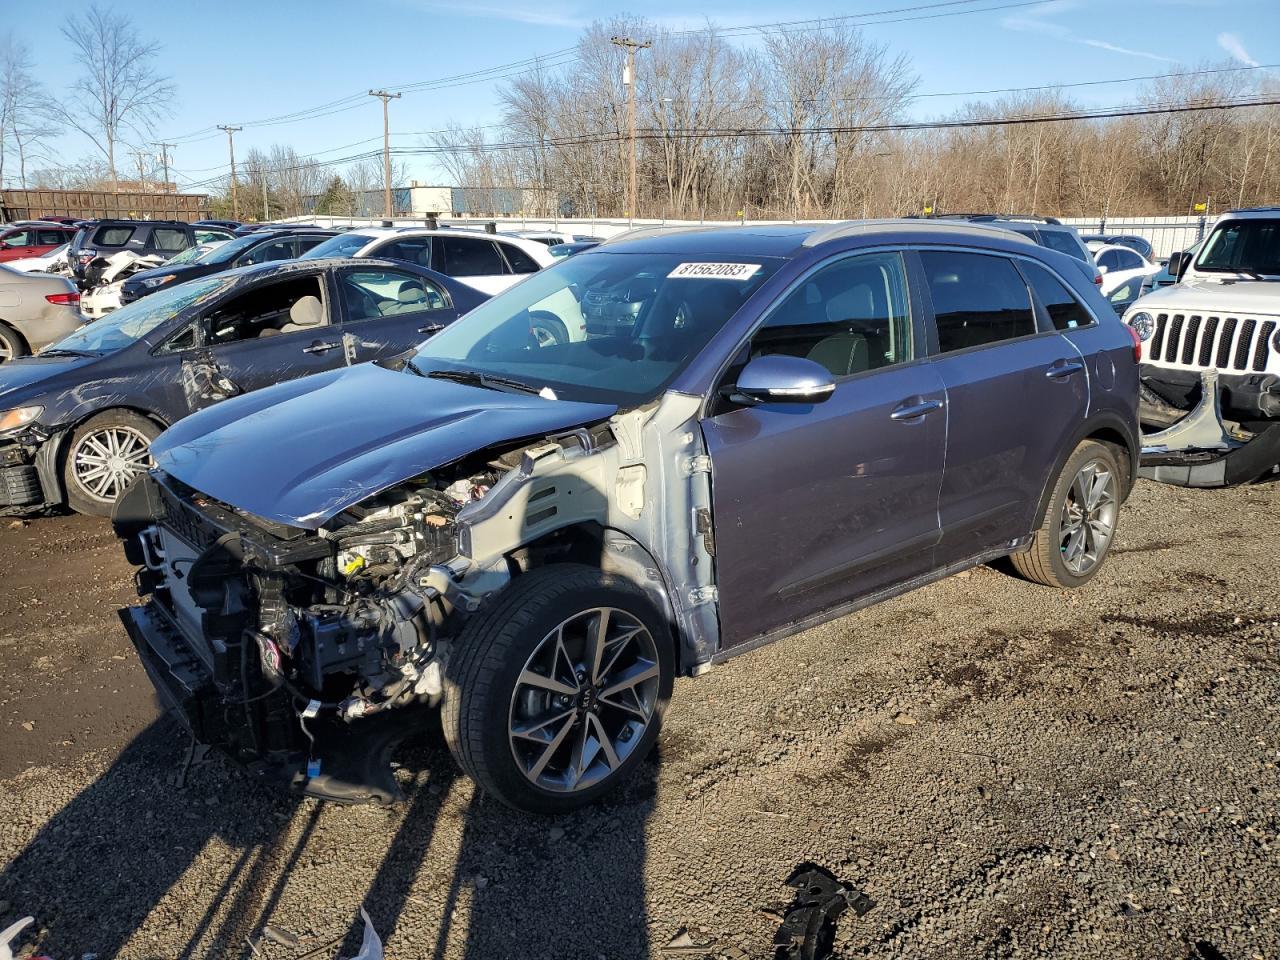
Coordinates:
26 378
301 452
1213 296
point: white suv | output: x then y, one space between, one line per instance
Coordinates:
1214 337
487 261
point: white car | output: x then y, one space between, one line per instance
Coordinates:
547 238
490 262
1118 265
45 263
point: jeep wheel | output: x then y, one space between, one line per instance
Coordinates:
555 694
105 454
1080 522
11 345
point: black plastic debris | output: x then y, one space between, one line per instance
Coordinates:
808 927
1204 950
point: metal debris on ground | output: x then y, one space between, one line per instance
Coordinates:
809 924
10 932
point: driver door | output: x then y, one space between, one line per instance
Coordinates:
819 504
273 332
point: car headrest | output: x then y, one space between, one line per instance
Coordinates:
852 304
411 292
306 312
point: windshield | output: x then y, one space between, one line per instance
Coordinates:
194 254
343 245
134 321
606 327
1242 246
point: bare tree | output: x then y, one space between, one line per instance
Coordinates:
25 122
119 89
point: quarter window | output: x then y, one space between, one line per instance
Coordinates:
851 315
1065 311
520 261
977 299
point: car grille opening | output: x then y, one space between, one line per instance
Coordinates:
1231 344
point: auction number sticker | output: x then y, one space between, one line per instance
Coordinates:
716 271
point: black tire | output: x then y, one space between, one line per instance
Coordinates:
484 670
1044 562
12 345
556 332
80 497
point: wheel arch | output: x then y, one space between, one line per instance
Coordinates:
10 328
1106 428
613 551
58 446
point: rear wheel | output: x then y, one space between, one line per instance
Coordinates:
1080 522
12 346
556 693
107 452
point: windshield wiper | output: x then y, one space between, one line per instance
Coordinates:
67 352
477 379
413 367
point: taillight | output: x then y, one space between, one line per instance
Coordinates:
1097 278
1137 344
64 299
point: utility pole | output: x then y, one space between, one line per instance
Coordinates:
164 160
386 97
231 146
629 79
140 156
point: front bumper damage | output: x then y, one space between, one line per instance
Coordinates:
28 472
1204 450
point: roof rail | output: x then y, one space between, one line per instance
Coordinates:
637 233
846 228
985 217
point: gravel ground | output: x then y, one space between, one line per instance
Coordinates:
1008 771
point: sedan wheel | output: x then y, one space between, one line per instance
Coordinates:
1088 518
105 455
11 347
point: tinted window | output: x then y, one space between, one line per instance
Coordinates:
1109 259
50 237
308 243
470 257
409 249
1065 310
1128 260
977 299
1061 241
343 245
168 238
849 316
113 236
370 294
520 261
281 249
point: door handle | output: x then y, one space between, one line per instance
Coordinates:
909 411
1063 368
431 328
320 347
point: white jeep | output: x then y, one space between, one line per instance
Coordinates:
1211 342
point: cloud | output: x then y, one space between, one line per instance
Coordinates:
1035 21
1231 43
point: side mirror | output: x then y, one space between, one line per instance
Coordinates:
1176 263
781 379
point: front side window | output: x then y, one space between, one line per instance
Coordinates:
1065 311
409 249
605 327
290 306
371 294
978 299
470 257
205 235
49 238
850 316
19 238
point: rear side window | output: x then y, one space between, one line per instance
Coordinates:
1061 241
520 261
978 299
113 236
168 238
850 316
1065 311
281 249
471 257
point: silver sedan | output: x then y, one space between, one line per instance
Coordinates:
36 309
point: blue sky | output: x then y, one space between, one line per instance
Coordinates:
238 61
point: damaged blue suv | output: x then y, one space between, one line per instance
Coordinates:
535 521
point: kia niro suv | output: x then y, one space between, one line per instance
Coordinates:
777 426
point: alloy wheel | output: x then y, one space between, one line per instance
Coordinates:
105 461
584 699
1088 518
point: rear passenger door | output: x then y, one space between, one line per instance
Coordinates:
1016 393
388 311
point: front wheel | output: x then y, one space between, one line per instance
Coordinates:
1080 522
106 454
555 694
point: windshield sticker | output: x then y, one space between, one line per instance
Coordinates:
716 271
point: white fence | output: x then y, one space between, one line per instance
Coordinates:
1166 234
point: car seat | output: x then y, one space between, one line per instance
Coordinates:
306 312
846 352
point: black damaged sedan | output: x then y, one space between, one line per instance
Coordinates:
77 420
